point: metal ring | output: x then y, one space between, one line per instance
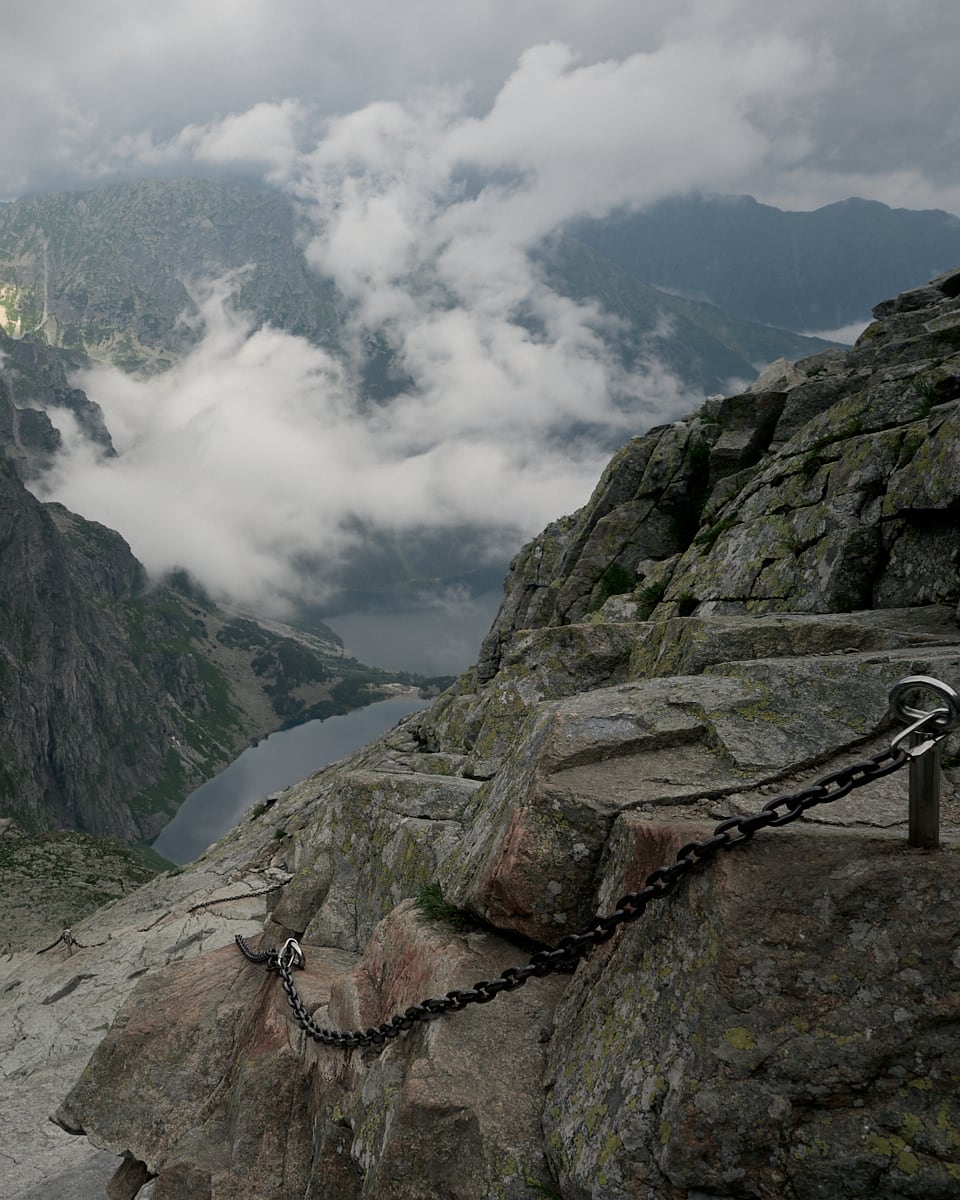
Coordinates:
291 954
949 702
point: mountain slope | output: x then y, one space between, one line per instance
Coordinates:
118 694
108 273
796 270
701 344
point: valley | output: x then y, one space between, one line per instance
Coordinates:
480 601
91 637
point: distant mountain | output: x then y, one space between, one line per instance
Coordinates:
107 273
702 345
816 270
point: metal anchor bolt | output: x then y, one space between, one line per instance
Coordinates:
927 730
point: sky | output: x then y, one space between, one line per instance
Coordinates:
799 104
431 147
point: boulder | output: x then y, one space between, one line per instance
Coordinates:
208 1088
751 1040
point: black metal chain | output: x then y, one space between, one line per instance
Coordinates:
69 941
265 891
734 831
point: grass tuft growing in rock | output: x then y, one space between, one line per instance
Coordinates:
431 903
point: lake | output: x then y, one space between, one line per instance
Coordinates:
442 638
276 762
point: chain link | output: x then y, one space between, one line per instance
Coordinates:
731 832
69 942
265 891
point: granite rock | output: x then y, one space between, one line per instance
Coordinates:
782 1025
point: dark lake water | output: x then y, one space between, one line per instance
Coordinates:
278 761
442 639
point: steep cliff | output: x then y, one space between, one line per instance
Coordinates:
119 694
719 625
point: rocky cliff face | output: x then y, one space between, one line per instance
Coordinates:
720 624
118 695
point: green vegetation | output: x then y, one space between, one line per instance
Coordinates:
541 1189
615 581
707 537
243 634
811 463
793 544
649 597
431 903
290 663
222 717
925 386
938 385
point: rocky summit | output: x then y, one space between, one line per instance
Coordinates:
719 626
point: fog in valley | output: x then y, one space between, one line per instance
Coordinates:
429 159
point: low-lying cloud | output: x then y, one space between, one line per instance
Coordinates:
255 463
260 455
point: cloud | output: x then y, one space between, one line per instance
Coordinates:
847 334
264 137
84 85
432 149
255 458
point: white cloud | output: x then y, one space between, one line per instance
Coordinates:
254 455
433 147
83 85
845 334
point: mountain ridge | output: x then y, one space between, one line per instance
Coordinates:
105 272
818 270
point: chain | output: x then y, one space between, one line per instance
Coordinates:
242 896
70 942
731 832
